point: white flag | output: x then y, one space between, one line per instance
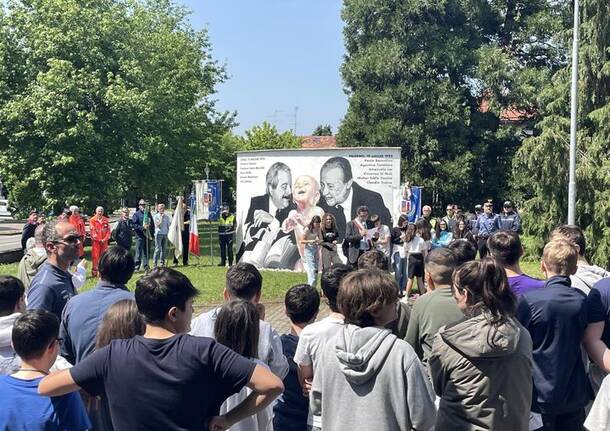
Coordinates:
175 229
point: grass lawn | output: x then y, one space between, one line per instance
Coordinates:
209 279
204 274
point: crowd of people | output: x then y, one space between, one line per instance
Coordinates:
405 244
484 346
150 231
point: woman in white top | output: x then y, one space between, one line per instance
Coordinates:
417 244
237 327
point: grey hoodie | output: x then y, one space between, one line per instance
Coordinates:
586 276
9 361
483 375
371 380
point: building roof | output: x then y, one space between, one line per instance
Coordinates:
508 115
318 142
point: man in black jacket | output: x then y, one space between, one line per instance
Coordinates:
123 231
29 229
356 236
145 230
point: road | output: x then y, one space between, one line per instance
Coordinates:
10 242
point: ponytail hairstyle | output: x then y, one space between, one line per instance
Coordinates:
237 327
314 219
487 287
422 228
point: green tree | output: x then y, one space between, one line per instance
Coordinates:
102 99
321 130
267 137
541 165
417 74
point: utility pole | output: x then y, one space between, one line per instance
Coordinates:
275 112
294 117
573 118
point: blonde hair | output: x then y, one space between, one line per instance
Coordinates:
121 321
560 257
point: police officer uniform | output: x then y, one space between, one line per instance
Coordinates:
226 232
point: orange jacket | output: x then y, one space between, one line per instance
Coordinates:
79 225
100 229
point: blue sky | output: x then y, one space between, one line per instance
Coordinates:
279 54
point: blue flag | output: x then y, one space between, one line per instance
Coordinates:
410 203
215 196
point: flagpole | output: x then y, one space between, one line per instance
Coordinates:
573 118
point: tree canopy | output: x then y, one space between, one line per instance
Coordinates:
418 75
476 93
541 165
103 98
323 130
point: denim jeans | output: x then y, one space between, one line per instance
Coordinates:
141 253
311 263
400 271
160 244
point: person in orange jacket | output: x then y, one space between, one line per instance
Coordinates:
77 221
99 227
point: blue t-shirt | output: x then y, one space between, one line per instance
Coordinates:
173 384
291 408
51 288
162 223
522 283
598 307
82 316
22 409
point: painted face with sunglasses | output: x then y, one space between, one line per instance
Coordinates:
64 248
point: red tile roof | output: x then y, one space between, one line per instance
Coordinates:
509 115
318 142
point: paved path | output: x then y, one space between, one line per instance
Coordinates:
274 314
10 242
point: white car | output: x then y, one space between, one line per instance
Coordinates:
5 213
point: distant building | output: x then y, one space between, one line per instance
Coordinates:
508 115
318 141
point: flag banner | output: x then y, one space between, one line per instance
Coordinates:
214 197
193 229
279 191
410 202
175 228
208 195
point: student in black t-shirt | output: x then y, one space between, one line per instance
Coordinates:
167 379
302 303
